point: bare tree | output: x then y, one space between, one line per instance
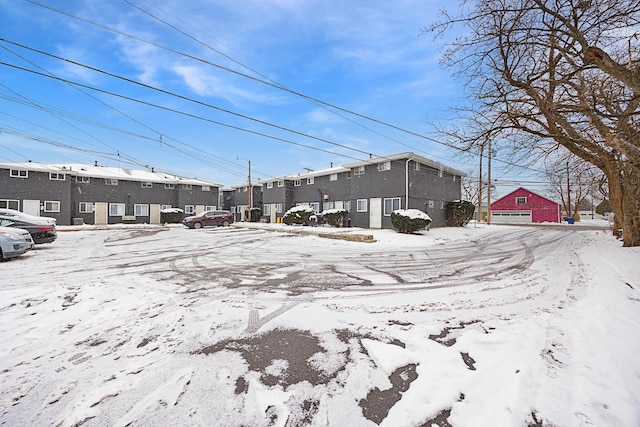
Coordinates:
549 73
573 180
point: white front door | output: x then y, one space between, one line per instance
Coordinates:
100 213
31 207
154 214
375 213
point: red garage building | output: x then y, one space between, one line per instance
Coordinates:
524 206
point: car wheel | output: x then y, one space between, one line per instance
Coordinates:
225 223
197 225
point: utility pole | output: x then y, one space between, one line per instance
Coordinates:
250 193
489 187
480 187
568 193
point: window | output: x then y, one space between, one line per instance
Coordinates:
391 205
416 166
19 173
186 186
315 206
9 204
169 186
359 170
280 183
269 184
116 209
333 177
141 210
209 208
109 181
244 189
206 188
384 166
51 206
431 204
83 179
267 209
189 209
297 183
349 175
441 204
163 207
86 207
327 205
361 205
54 176
310 181
347 206
279 208
146 184
521 200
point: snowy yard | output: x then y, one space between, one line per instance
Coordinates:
166 326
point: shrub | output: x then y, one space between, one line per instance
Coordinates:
335 217
410 220
459 213
298 215
255 214
171 216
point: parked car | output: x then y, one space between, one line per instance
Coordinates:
12 244
40 233
22 233
13 215
208 218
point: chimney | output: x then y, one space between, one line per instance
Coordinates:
95 163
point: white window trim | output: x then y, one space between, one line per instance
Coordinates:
7 204
521 198
333 177
55 176
119 209
109 181
143 207
189 209
280 183
297 183
85 207
187 187
384 166
206 188
19 173
278 208
364 202
359 170
392 199
146 184
168 186
310 180
53 206
163 207
269 184
83 179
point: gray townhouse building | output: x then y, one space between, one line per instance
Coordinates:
94 194
369 190
239 200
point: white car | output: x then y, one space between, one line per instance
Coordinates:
12 244
13 215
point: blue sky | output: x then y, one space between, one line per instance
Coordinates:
205 110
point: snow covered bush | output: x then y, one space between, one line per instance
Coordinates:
298 215
335 217
459 213
409 220
171 216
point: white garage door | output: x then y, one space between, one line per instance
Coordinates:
510 217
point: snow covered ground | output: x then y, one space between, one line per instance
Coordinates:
476 326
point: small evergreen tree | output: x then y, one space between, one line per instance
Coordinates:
298 215
603 208
335 217
410 220
459 213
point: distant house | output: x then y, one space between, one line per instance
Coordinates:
93 194
369 190
524 206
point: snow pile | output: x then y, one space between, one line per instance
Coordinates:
412 214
